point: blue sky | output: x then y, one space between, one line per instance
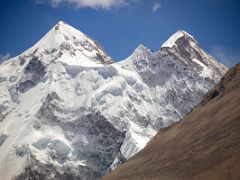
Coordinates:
121 25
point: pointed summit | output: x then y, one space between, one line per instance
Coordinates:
65 42
183 47
61 22
141 47
172 41
59 34
140 53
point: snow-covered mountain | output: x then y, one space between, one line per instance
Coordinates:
68 111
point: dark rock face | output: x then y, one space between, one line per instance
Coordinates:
3 137
26 85
35 66
34 72
38 171
22 61
187 49
215 94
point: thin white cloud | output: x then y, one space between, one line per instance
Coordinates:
4 57
227 56
95 4
156 7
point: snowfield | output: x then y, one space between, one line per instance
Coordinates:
68 111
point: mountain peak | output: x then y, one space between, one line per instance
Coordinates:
184 33
66 28
182 46
171 42
65 41
142 50
59 33
141 47
61 22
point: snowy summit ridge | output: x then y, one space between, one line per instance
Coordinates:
72 44
172 40
68 111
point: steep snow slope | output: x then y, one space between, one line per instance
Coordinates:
177 76
67 112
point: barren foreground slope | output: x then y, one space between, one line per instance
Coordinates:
204 145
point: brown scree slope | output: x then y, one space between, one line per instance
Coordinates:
204 145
